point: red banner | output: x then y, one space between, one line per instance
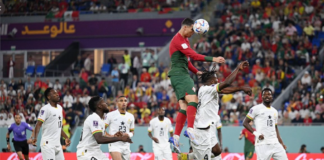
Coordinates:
150 156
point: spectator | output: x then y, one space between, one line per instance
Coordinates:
78 107
94 8
11 92
290 30
132 109
309 31
70 117
11 65
30 62
144 111
93 80
135 65
306 79
146 58
77 66
121 8
103 86
286 120
124 69
303 149
298 119
77 90
145 76
318 118
87 64
141 149
57 85
112 60
127 58
67 101
83 78
134 82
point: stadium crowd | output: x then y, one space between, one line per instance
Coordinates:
41 7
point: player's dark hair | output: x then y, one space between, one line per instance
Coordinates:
208 75
93 103
187 22
266 89
47 92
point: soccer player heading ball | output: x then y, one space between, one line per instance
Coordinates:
183 85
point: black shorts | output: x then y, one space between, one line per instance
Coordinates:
21 146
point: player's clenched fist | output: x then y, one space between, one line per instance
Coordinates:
126 138
219 59
243 65
118 134
247 90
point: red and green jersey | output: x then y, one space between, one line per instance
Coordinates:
180 52
249 139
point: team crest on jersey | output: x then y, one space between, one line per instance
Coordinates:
42 112
95 123
194 89
129 121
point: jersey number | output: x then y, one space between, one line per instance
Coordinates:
81 135
161 132
269 123
122 128
206 157
59 124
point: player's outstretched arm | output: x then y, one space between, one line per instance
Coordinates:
198 57
279 138
104 139
229 90
228 81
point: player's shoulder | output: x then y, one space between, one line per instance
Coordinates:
46 106
59 106
92 117
129 115
112 113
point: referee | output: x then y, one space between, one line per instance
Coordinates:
20 141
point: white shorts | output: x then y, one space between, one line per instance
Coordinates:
162 153
124 150
52 152
207 140
85 154
268 151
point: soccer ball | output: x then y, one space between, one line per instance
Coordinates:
201 26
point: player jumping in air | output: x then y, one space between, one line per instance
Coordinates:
161 126
183 85
249 142
50 118
92 135
207 113
120 121
268 141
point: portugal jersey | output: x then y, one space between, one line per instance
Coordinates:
161 131
52 124
207 109
119 122
180 52
265 119
249 140
92 125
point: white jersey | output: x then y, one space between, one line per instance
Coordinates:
93 124
52 124
120 122
161 131
208 106
265 120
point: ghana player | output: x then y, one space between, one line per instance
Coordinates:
183 85
207 112
93 131
161 126
268 141
120 121
50 119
